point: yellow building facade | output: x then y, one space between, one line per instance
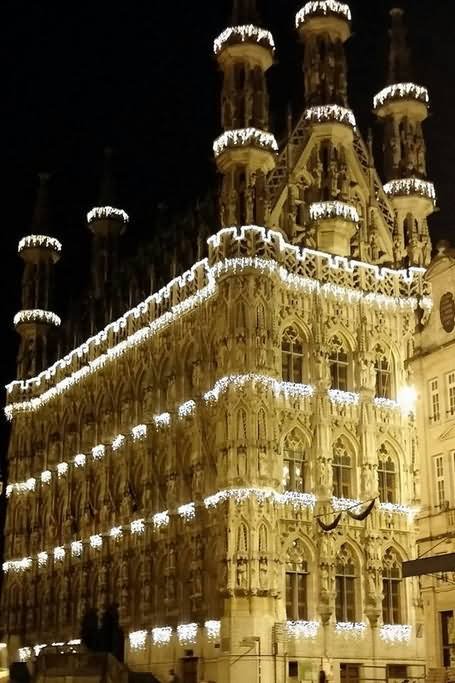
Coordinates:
233 463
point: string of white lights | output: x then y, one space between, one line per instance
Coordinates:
395 633
406 403
137 527
320 210
39 242
243 34
302 629
381 280
330 112
410 186
37 315
244 137
351 629
185 633
401 91
105 212
27 653
324 7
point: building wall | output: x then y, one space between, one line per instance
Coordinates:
225 559
434 367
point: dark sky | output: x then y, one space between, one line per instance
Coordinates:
139 76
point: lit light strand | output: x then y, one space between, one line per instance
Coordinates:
161 635
375 274
346 398
352 629
331 210
406 187
323 7
37 315
187 511
118 442
39 242
245 137
137 640
139 432
187 633
401 91
395 633
213 629
186 409
107 212
98 452
244 34
330 112
302 629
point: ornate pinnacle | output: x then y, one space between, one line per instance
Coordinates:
107 188
399 55
244 12
40 221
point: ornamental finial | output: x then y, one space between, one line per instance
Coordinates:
399 54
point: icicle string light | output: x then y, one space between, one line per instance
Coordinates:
321 210
39 242
401 91
137 640
406 187
104 212
280 389
357 630
395 633
37 316
330 112
324 7
302 629
296 499
243 34
377 286
245 137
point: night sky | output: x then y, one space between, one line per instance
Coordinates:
140 76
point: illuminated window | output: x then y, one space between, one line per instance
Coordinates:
292 356
439 479
294 462
391 589
345 582
383 367
296 583
387 477
338 361
342 471
451 393
435 409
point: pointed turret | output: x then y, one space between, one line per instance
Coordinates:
107 223
36 321
403 107
324 26
246 151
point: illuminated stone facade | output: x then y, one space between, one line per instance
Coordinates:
434 370
205 461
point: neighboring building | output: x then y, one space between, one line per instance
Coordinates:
207 461
434 368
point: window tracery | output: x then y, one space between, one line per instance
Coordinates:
387 477
392 588
296 582
339 364
342 471
292 356
294 464
345 582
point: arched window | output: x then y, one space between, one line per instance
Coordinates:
383 367
294 462
345 584
296 583
391 589
292 356
341 471
338 361
387 477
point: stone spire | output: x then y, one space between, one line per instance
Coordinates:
399 52
324 28
246 151
245 12
403 107
107 223
35 322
